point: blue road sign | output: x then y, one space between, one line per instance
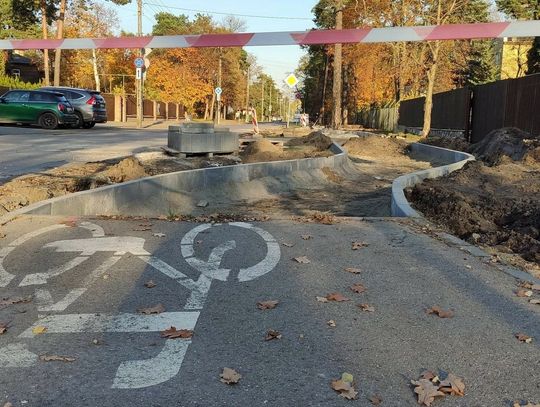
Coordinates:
139 62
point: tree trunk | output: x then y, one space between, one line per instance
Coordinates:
212 105
431 76
166 110
205 109
323 97
47 80
336 85
59 35
95 68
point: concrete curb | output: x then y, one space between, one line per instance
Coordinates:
456 160
116 199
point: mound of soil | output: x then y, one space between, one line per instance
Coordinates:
126 170
376 146
315 139
496 206
264 150
453 143
508 142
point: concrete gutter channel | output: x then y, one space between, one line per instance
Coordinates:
146 196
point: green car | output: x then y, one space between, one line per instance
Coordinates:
47 109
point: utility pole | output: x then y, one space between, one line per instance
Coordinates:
270 104
218 110
262 99
45 51
139 81
336 85
247 88
59 36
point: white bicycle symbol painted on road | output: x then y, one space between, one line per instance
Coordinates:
133 373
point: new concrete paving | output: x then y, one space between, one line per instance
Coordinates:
86 294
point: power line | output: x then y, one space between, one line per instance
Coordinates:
234 14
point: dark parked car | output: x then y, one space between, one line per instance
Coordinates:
89 105
48 109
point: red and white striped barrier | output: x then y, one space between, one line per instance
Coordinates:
312 37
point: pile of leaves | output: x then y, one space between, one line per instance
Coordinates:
430 385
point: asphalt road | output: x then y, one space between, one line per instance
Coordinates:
31 149
86 294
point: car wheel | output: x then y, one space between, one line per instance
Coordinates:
79 123
88 125
48 121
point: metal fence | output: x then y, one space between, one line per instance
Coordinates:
385 118
481 109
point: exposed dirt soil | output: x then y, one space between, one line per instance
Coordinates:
377 146
494 202
264 150
453 143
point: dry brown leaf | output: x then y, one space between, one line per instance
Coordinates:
302 260
440 312
353 270
156 309
336 297
322 299
452 385
524 293
523 338
529 404
14 300
230 376
358 288
272 334
56 358
270 304
359 245
428 374
306 237
39 329
345 389
376 400
526 284
3 327
331 323
426 391
324 218
366 307
142 229
287 244
150 284
173 333
537 302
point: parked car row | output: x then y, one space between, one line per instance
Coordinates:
50 107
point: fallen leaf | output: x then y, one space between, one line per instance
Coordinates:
359 245
526 284
150 284
353 270
14 300
270 304
159 234
336 297
358 288
367 307
56 358
428 375
306 237
440 312
156 309
39 329
537 302
347 377
452 385
345 389
426 391
468 266
3 327
141 229
524 293
230 376
145 225
302 260
331 323
376 400
523 338
272 334
173 333
287 244
529 404
322 299
8 404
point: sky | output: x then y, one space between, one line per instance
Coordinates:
277 61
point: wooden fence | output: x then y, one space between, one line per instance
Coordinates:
385 118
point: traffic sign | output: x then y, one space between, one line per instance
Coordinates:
291 80
139 62
138 73
218 90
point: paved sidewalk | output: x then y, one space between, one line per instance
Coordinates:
87 277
